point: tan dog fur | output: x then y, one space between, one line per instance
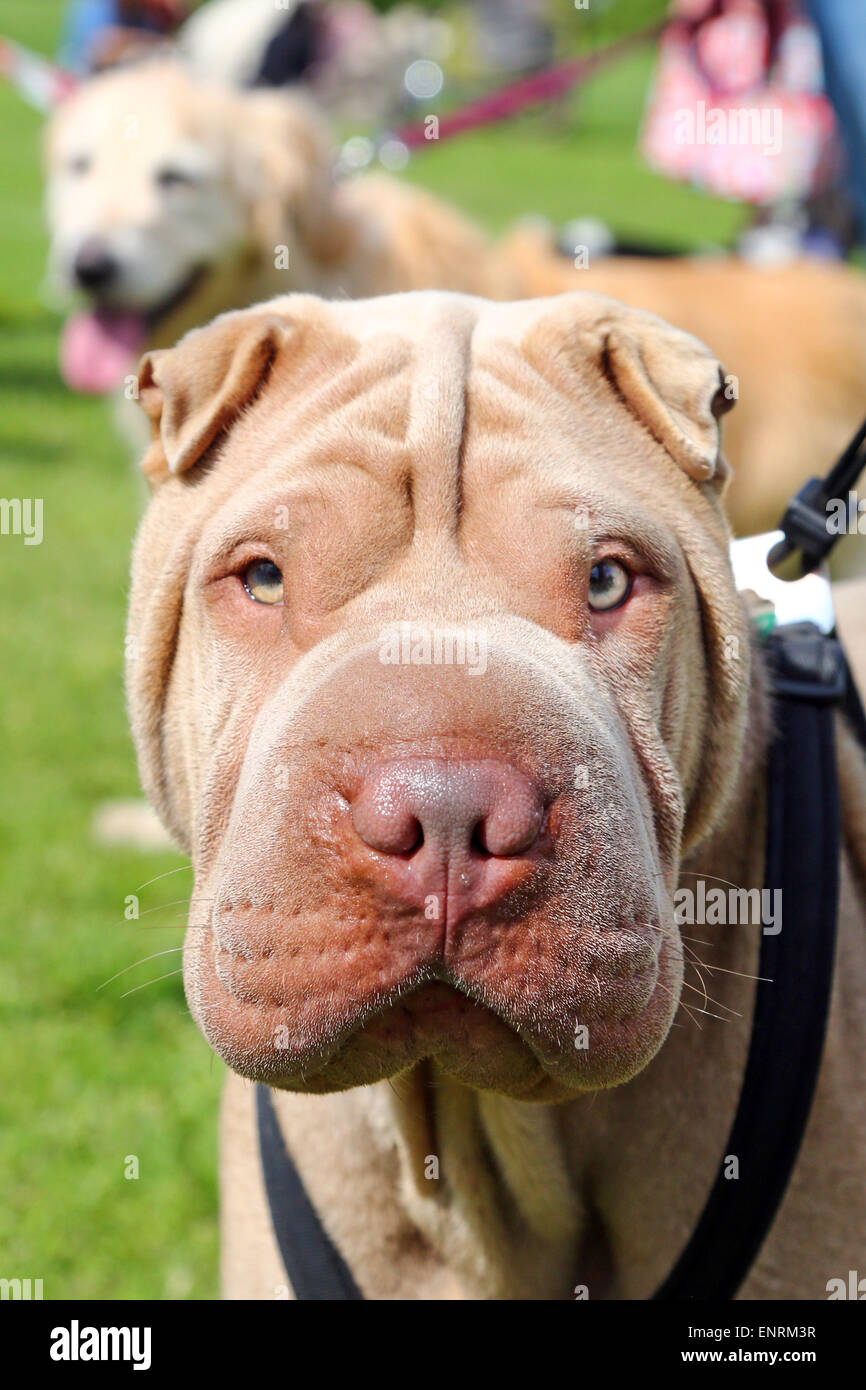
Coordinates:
449 460
797 335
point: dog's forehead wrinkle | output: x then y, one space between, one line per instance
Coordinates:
341 406
387 416
600 515
510 366
413 373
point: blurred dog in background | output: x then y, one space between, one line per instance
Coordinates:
171 199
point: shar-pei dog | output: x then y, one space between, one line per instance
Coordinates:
440 677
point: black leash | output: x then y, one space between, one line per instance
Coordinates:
810 680
315 1267
805 520
796 968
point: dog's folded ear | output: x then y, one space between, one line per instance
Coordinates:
193 392
675 386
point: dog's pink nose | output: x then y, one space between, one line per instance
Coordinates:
443 811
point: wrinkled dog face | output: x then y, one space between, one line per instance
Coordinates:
424 666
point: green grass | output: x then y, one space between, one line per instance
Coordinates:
87 1077
582 161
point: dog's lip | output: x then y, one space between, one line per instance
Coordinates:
178 296
421 1018
429 1001
622 966
150 314
616 998
438 999
434 1005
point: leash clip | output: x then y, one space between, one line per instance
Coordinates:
805 527
804 524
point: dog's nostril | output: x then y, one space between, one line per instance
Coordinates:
94 266
513 825
477 841
387 827
407 840
481 807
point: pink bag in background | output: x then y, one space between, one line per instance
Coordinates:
737 106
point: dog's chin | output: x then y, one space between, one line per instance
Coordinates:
152 308
464 1038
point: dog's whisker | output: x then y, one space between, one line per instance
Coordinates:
710 1014
693 873
709 1000
160 907
697 968
681 1005
691 1013
691 957
167 952
697 964
166 976
694 960
184 869
743 974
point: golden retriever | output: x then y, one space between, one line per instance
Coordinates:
171 200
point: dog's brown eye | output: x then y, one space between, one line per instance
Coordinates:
609 585
263 581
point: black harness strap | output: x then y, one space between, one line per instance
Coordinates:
315 1267
796 968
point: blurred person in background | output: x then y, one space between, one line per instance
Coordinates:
842 27
102 32
741 59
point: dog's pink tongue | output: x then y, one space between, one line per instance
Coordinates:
99 348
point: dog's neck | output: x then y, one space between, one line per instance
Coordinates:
597 1194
